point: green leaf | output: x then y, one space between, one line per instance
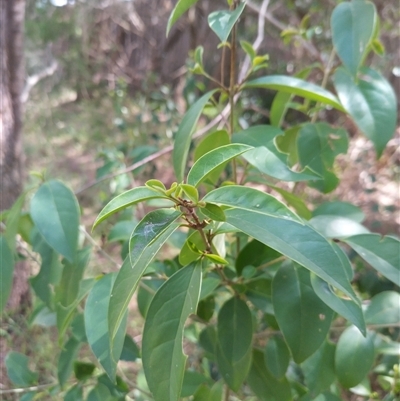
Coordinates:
303 318
83 370
336 226
163 359
318 144
191 192
184 135
249 49
6 272
277 357
371 103
266 219
122 230
180 8
382 253
354 357
18 371
212 160
192 380
222 22
234 339
338 208
319 369
96 325
345 307
351 35
216 259
297 87
128 279
266 157
297 203
130 351
214 212
126 199
155 184
55 212
100 393
75 393
12 221
66 360
384 308
264 385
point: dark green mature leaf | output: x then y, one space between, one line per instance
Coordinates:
266 157
303 318
212 160
83 370
184 135
266 219
163 359
384 308
100 393
180 8
192 380
75 393
234 339
128 279
382 253
130 351
18 371
6 272
122 230
66 360
371 103
222 22
277 356
345 307
354 357
297 87
96 326
55 212
317 145
126 199
336 226
319 369
338 208
351 35
297 203
264 385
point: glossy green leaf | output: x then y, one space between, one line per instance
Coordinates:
371 103
155 184
192 248
382 253
295 202
384 308
126 199
266 219
338 208
192 380
184 135
18 371
214 212
222 22
216 259
128 279
263 384
130 351
337 226
354 357
148 230
191 192
234 340
277 357
163 359
96 325
66 360
75 393
319 369
297 87
212 160
6 272
55 212
180 8
318 144
266 157
345 307
351 34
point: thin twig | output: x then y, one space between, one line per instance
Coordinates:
27 389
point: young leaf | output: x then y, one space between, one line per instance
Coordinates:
18 371
303 318
354 357
216 259
214 212
155 184
126 199
6 272
66 360
266 219
297 87
234 334
222 22
384 308
184 134
96 325
163 359
55 212
212 160
351 34
382 253
265 386
371 103
345 307
128 279
188 253
277 356
180 8
191 192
